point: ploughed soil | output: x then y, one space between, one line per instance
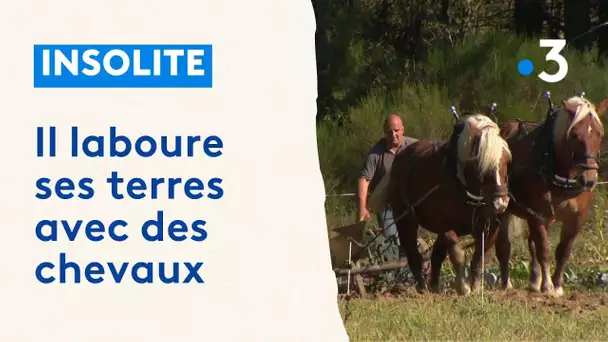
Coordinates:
573 302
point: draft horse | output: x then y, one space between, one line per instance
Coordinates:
451 188
551 178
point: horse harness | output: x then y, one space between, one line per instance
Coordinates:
545 167
451 165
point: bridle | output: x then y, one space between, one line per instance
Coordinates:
547 167
479 200
470 198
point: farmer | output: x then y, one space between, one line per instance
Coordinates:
377 162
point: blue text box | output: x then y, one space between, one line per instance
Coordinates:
101 66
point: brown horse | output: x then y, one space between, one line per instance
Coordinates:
451 189
552 176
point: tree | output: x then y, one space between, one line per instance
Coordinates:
322 14
529 17
603 31
577 21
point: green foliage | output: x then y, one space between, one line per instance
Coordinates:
478 71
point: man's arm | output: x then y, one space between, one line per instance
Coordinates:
366 174
362 187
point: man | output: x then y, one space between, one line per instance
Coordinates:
377 162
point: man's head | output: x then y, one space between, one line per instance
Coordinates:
393 130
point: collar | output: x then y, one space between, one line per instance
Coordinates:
387 149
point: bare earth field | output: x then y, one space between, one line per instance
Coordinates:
513 315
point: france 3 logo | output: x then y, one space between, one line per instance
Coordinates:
526 67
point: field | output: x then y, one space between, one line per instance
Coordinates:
511 316
478 71
400 313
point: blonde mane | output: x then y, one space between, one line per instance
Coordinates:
491 144
563 124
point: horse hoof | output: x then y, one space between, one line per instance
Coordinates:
548 290
436 288
476 286
463 289
421 288
554 293
534 287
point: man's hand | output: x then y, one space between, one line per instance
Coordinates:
364 215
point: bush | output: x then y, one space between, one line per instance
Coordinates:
472 75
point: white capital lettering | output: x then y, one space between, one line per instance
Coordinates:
62 60
193 62
95 66
173 54
125 62
46 62
137 70
156 63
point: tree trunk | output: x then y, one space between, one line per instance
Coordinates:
554 18
602 32
324 97
577 21
444 16
528 17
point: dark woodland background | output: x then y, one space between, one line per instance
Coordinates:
406 29
419 57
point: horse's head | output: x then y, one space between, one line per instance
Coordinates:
484 158
577 134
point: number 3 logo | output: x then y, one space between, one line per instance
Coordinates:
556 45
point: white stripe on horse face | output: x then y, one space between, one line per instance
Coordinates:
498 182
500 204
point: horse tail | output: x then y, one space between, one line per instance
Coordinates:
379 198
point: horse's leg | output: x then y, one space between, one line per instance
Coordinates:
440 252
503 250
408 236
457 257
540 239
570 230
535 276
475 278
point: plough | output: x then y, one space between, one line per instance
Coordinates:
353 244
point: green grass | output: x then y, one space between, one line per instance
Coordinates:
498 317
